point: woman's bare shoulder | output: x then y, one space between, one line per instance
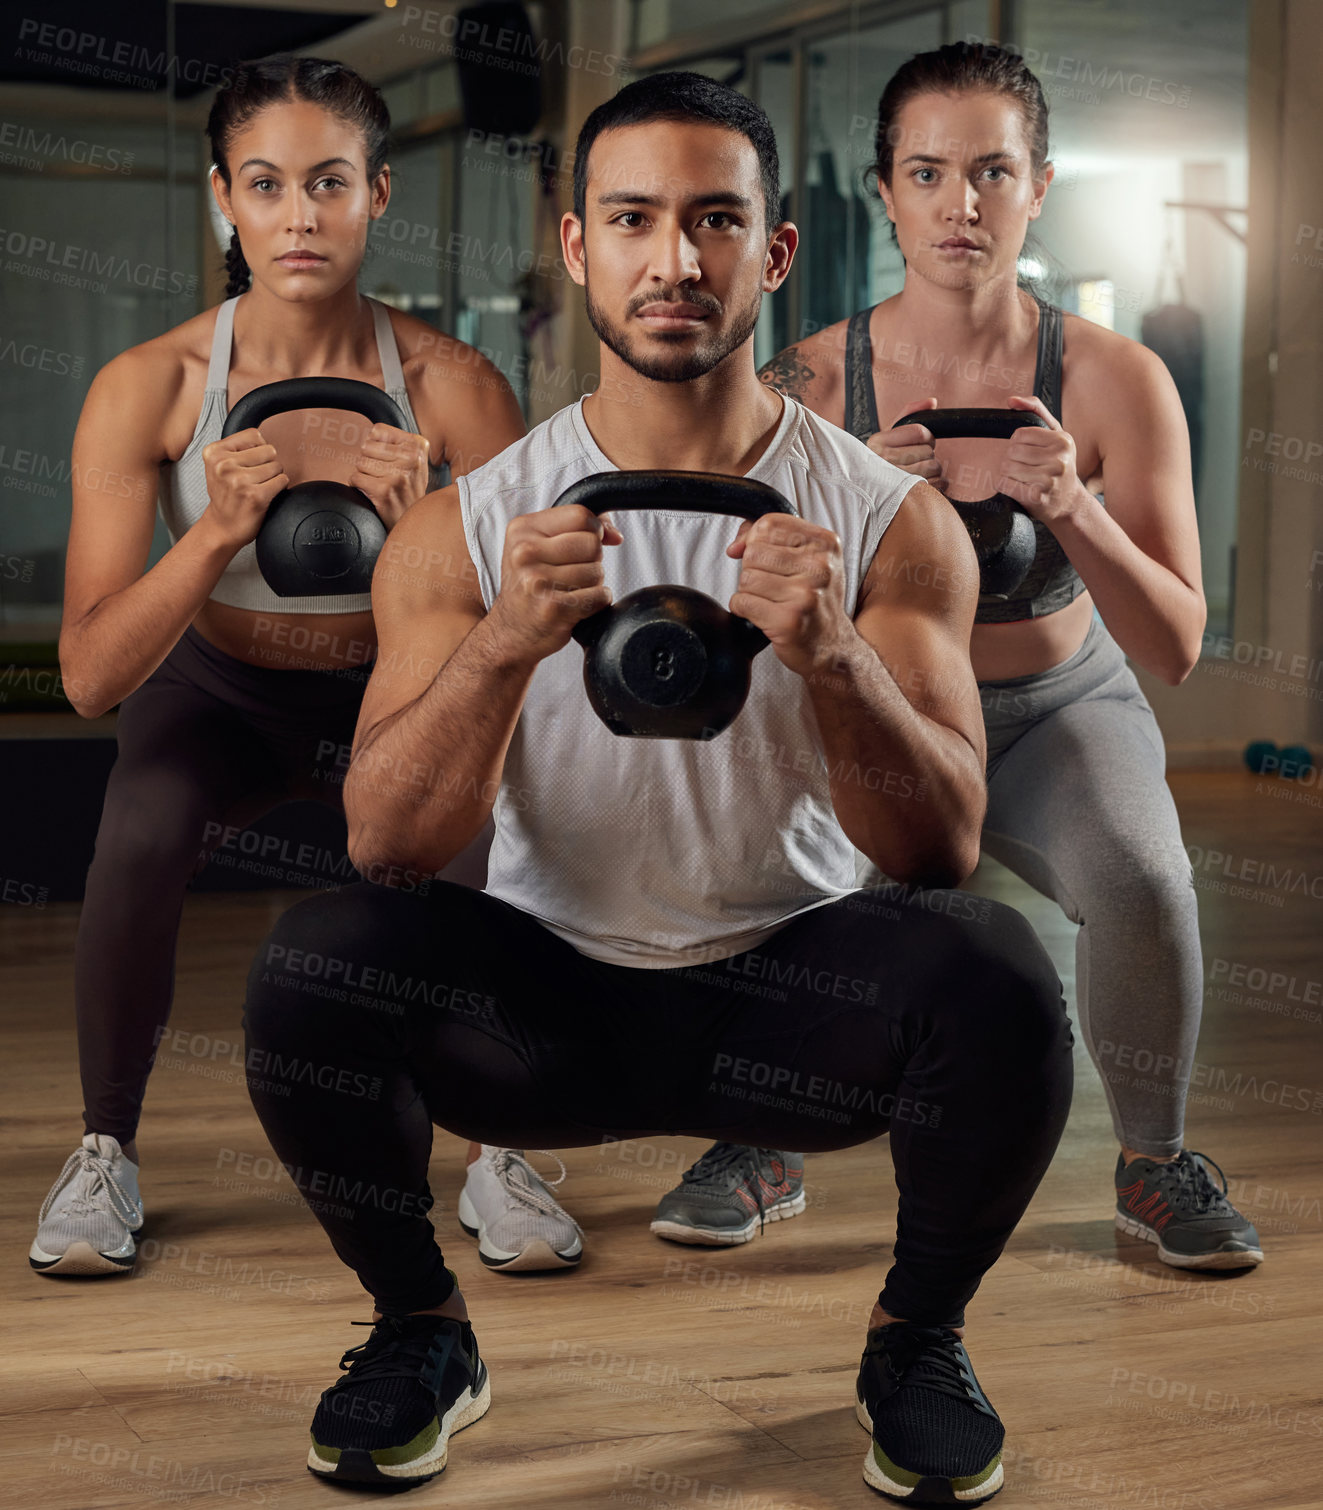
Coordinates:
431 355
1094 354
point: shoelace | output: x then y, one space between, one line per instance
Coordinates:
716 1160
720 1158
924 1355
100 1180
507 1162
393 1351
1193 1183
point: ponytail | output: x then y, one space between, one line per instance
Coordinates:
236 265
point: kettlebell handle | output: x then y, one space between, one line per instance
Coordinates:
313 393
973 424
669 662
295 530
687 492
976 424
1004 536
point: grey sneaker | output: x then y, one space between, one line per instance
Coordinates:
510 1209
87 1221
730 1194
1178 1207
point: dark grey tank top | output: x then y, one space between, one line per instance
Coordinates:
1052 582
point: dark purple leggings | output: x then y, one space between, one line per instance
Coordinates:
205 744
373 1013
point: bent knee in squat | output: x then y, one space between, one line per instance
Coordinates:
346 956
1012 990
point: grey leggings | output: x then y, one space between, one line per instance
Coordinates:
1078 806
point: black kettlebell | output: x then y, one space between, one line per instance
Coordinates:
1005 540
318 538
669 662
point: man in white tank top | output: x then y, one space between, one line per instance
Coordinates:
671 940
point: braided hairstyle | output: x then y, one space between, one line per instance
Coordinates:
251 87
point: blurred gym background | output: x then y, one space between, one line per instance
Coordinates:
1186 212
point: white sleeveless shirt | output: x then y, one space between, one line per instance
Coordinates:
658 853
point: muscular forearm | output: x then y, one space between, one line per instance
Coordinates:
908 791
114 647
424 782
1155 617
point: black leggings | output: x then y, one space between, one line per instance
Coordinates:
207 743
373 1013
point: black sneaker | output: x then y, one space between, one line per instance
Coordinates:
730 1194
1178 1207
388 1421
936 1439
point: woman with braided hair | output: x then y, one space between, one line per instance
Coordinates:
232 699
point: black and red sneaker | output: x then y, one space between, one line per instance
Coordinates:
413 1382
730 1194
1177 1206
936 1438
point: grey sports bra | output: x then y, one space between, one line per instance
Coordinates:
182 493
1052 582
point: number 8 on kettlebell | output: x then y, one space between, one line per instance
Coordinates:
669 662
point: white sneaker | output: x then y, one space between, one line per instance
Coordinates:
87 1222
510 1209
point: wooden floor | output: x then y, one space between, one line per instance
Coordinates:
659 1376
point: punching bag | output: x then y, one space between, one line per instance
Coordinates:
499 67
836 236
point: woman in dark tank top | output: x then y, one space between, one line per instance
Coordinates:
1078 804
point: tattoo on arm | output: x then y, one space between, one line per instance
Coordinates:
788 372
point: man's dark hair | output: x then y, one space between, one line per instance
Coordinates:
683 97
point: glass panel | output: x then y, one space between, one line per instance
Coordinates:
106 244
968 19
110 240
1148 106
494 237
846 255
726 69
406 258
100 253
658 20
775 89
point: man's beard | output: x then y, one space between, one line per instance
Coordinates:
682 365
